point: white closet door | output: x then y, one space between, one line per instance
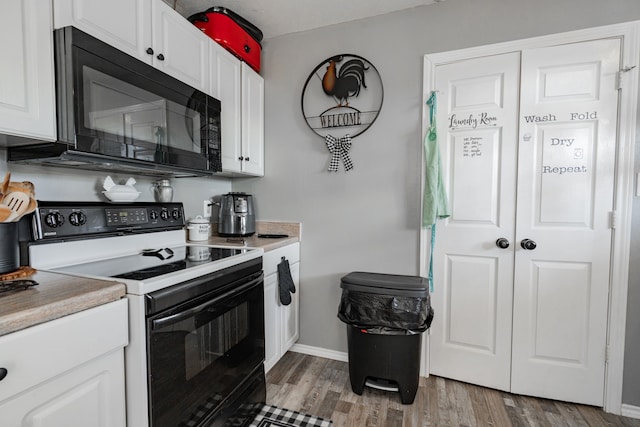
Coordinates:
477 128
568 118
558 143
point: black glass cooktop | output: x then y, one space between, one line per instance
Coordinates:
153 262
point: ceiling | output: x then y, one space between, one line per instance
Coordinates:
278 17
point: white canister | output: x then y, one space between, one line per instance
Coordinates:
199 228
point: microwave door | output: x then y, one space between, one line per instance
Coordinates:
128 109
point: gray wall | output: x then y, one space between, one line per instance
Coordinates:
369 219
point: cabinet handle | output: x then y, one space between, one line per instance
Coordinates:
160 57
246 158
150 51
241 158
3 373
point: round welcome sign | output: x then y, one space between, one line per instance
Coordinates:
342 96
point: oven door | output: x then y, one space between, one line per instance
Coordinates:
200 352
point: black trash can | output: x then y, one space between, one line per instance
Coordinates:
386 315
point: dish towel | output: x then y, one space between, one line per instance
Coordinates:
285 282
435 204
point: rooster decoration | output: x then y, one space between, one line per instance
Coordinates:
345 82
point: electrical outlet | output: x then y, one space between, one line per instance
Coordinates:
207 208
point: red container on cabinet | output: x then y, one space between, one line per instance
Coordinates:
231 31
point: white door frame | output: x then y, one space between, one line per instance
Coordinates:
624 178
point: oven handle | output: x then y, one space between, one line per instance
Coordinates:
175 318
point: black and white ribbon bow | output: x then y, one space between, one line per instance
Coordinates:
337 148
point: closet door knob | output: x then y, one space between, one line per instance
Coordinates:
3 373
150 51
160 57
528 244
502 243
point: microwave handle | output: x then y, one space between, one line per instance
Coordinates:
175 318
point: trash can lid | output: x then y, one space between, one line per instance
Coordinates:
389 284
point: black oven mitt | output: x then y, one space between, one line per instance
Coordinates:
285 282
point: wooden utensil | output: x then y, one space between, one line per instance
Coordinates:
5 185
5 213
18 202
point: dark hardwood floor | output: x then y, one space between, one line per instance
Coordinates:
321 387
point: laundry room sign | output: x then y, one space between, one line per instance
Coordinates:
472 121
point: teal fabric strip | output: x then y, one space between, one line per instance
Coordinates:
433 243
435 203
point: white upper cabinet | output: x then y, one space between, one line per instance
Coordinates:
252 121
241 93
149 30
227 87
180 48
27 94
124 24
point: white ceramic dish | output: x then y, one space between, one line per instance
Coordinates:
121 196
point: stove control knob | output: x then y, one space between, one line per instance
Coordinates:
175 214
54 219
153 215
164 214
77 218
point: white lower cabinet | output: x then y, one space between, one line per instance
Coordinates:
66 372
281 321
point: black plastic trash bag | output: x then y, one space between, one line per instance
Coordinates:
386 304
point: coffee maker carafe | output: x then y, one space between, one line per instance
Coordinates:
236 217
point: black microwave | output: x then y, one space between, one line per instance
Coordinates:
117 113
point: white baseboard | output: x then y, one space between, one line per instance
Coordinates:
630 411
342 356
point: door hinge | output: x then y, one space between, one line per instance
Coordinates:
613 219
619 80
619 76
607 350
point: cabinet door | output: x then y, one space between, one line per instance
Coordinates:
252 121
289 314
271 321
226 86
27 105
89 396
124 24
180 48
